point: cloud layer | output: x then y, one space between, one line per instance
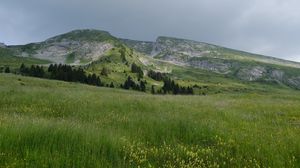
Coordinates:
269 27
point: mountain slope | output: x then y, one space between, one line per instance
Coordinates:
181 50
75 47
237 64
93 50
98 50
8 58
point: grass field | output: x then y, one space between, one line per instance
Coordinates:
47 123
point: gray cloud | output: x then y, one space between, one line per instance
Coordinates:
267 27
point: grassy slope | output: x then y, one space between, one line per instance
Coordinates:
238 62
186 76
214 82
7 58
119 69
58 124
245 56
225 53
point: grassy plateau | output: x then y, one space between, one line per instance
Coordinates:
48 123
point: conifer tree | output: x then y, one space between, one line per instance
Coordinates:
138 70
111 85
152 89
7 70
142 86
104 71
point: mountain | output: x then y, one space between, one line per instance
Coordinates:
243 112
180 58
182 51
234 63
75 47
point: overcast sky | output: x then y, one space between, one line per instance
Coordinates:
270 27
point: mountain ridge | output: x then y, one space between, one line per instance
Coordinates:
99 49
135 44
93 35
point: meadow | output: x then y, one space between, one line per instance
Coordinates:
48 123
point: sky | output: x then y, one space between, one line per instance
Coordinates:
268 27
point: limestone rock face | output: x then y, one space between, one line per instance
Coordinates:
75 47
67 51
238 64
251 74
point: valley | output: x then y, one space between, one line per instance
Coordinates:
89 99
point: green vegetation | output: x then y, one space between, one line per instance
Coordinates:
138 70
7 58
47 123
86 35
70 58
61 72
216 69
231 121
116 65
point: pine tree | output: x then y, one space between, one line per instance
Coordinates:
22 67
7 70
152 89
94 79
98 81
190 90
158 76
81 75
89 79
51 68
159 91
142 86
32 70
167 85
128 83
24 70
40 72
111 85
175 89
138 70
104 71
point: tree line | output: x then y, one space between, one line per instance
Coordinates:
136 69
61 72
35 71
5 70
130 84
171 87
68 73
158 76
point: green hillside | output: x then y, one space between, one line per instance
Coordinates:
243 108
77 47
170 47
7 58
188 62
47 123
234 64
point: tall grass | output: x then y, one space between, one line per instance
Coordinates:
56 124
